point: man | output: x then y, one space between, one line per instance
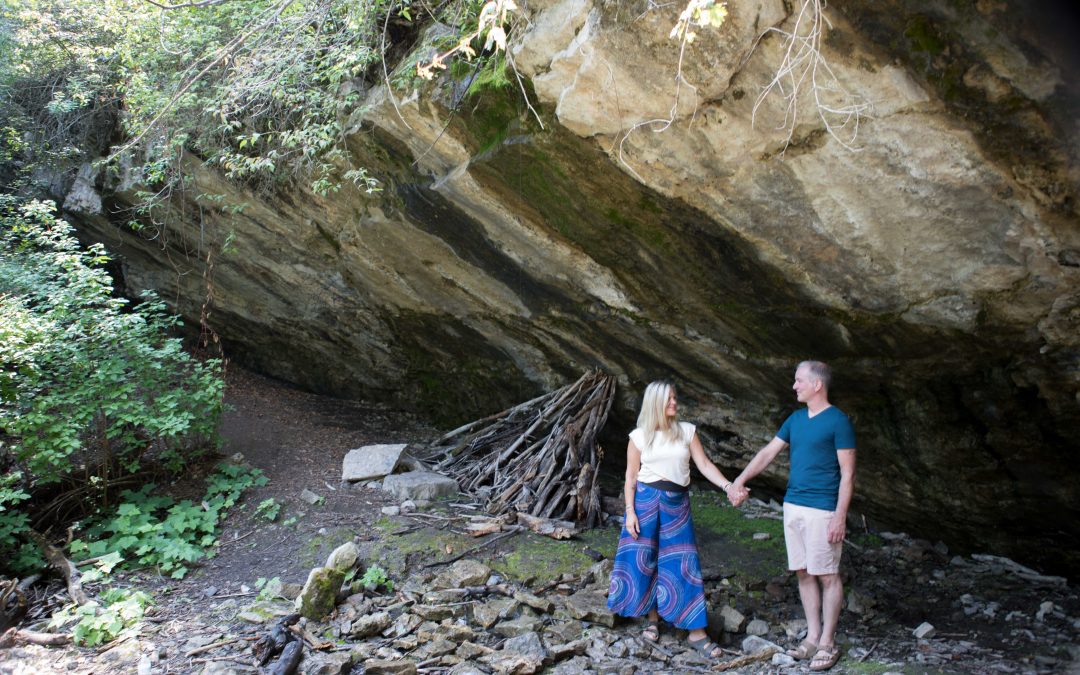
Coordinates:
819 492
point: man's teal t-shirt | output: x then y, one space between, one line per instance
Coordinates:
815 473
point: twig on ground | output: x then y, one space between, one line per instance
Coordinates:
466 552
211 646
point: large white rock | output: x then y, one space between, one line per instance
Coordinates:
371 461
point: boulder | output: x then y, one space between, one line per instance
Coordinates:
371 461
318 597
420 485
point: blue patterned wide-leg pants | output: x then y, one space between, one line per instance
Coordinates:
660 568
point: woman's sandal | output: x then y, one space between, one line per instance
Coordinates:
707 647
825 658
651 628
805 650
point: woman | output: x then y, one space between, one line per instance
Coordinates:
656 569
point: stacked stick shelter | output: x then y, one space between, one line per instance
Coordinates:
540 457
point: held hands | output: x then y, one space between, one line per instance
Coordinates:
736 494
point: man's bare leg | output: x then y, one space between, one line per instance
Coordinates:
810 594
832 599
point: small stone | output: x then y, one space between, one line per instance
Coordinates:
754 644
391 510
462 573
757 627
733 619
145 666
591 606
244 588
389 667
432 612
1044 609
210 591
370 624
782 660
528 644
343 558
517 627
795 629
564 631
762 536
925 631
310 497
471 650
317 663
540 604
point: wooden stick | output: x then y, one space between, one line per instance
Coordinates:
212 646
745 660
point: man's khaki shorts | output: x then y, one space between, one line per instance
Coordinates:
806 533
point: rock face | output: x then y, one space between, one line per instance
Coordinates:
936 265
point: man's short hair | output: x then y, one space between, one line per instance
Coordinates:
820 370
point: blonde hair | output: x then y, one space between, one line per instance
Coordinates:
653 419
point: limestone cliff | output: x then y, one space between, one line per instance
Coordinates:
655 225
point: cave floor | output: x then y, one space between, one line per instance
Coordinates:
985 618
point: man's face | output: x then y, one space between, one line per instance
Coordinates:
804 384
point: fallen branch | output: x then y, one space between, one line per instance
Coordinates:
556 529
488 542
14 636
763 655
210 647
65 567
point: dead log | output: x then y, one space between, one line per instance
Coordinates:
539 457
14 636
272 642
556 529
289 659
67 569
12 604
763 655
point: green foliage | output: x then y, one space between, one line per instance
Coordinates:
149 529
96 623
268 588
375 577
268 509
86 379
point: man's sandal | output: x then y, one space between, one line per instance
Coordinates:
651 632
707 647
825 658
805 650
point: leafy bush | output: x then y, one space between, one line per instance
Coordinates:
268 509
100 622
374 577
148 529
88 383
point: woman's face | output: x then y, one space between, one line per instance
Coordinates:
672 404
